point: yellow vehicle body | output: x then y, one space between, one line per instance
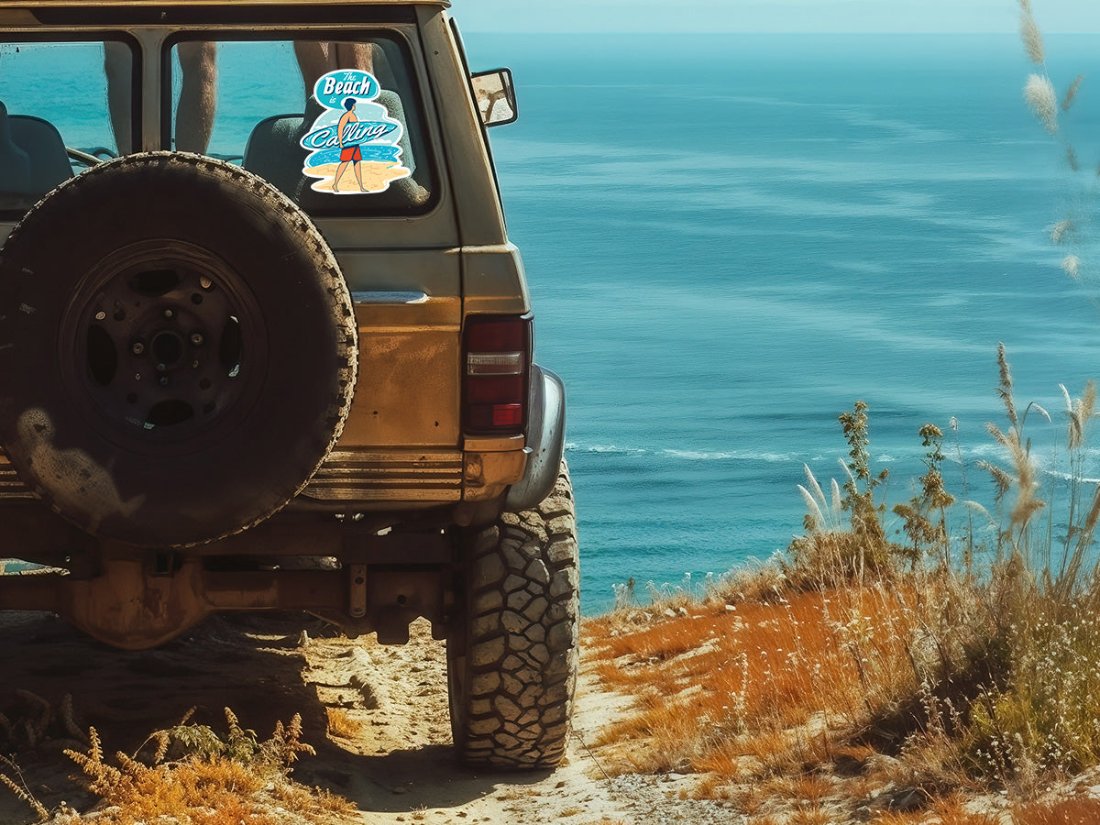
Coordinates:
404 462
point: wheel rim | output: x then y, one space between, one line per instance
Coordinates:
164 342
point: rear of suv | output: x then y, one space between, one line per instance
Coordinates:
264 343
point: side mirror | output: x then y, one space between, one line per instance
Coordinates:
496 97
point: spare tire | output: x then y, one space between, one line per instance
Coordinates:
177 349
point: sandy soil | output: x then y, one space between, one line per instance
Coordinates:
377 176
398 767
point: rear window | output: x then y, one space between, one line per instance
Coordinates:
65 106
336 125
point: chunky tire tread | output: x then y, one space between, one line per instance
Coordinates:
511 702
279 210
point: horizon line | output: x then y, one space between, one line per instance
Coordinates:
712 33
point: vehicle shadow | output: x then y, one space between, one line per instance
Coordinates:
251 664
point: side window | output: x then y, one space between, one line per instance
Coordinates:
64 106
335 125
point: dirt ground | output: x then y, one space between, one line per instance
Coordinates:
398 765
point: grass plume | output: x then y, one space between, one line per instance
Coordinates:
1070 96
1071 265
1043 101
1031 35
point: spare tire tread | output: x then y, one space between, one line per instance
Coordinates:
276 208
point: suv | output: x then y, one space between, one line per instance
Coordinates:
264 343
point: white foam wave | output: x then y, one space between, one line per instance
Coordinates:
683 455
1064 476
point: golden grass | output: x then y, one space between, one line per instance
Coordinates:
217 791
342 725
762 687
944 812
318 804
863 665
811 815
1069 812
230 780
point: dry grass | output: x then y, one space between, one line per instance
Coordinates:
342 725
211 779
950 811
1068 812
871 662
1042 98
11 777
763 687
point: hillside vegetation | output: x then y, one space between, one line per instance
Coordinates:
943 669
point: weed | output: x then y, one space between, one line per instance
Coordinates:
11 777
208 778
341 724
925 516
830 553
854 646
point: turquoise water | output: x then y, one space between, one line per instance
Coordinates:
730 239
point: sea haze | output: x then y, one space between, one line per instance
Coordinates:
730 239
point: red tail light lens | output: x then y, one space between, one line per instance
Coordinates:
497 358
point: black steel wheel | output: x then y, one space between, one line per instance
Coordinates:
177 349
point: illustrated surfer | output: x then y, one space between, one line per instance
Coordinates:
355 130
349 153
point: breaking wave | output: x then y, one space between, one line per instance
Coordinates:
684 455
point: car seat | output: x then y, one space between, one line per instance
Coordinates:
33 158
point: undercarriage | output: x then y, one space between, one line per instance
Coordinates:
343 568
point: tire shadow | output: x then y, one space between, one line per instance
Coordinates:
252 664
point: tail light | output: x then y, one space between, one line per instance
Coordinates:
497 361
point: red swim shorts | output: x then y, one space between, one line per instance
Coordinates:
351 153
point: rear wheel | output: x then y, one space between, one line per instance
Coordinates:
512 663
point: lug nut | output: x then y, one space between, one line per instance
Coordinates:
169 314
101 316
162 368
138 348
164 380
197 339
205 282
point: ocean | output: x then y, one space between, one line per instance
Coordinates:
730 239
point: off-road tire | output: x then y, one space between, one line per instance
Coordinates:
512 662
178 349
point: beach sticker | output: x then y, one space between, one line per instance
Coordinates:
353 144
